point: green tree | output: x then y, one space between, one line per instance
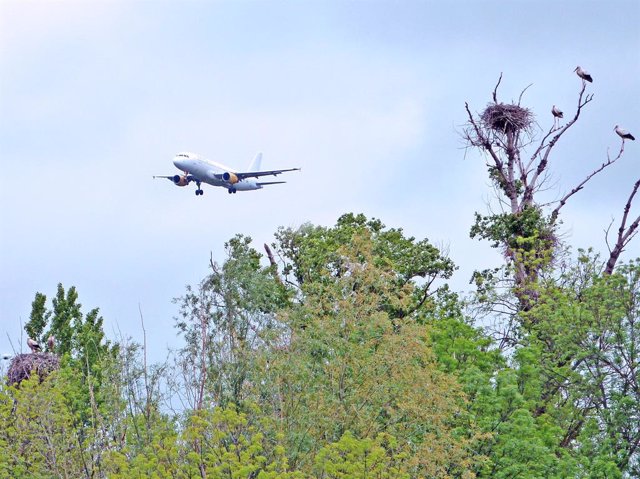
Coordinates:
81 344
226 321
38 319
213 443
379 458
589 365
350 366
312 253
560 404
567 333
38 433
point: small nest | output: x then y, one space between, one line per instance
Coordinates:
507 118
24 365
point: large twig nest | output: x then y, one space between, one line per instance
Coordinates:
504 118
24 365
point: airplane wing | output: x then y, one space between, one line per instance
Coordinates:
177 179
258 174
264 183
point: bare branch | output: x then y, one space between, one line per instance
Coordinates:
484 142
522 93
495 90
542 145
272 262
625 235
563 200
147 408
547 147
606 235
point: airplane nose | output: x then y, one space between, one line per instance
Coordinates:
179 163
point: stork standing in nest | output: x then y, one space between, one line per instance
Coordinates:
33 346
51 343
584 74
624 134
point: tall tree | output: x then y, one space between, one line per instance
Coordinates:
563 385
349 365
38 319
526 230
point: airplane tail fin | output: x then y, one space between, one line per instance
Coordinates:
255 164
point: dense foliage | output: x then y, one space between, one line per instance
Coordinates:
349 359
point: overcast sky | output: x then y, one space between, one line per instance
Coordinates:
366 97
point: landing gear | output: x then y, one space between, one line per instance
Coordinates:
232 190
199 191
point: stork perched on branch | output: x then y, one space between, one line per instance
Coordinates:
584 74
624 134
557 114
33 346
555 111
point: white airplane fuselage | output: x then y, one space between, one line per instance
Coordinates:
210 172
196 169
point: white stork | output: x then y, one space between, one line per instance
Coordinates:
584 74
51 343
624 134
556 112
33 345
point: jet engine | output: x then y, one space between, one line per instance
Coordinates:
230 178
180 180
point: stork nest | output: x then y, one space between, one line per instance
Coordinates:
504 118
24 365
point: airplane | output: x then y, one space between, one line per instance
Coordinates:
197 169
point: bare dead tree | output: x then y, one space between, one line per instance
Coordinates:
503 131
526 232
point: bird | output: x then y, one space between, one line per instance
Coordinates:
624 134
584 74
51 342
33 345
556 112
